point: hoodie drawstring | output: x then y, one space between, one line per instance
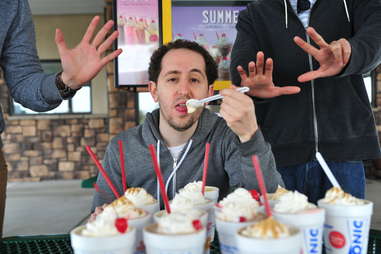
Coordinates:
173 172
346 10
176 168
286 12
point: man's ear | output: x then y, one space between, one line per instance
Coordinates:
152 88
211 90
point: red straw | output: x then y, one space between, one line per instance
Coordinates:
103 172
205 170
156 167
261 182
122 165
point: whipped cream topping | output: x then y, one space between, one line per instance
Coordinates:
139 197
191 108
338 197
125 208
292 202
266 229
277 194
103 225
188 198
238 206
178 223
240 195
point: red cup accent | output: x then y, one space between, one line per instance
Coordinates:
336 239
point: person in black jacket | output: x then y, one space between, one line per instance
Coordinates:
317 51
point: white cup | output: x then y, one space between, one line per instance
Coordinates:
227 235
157 243
346 227
310 222
285 245
139 224
116 244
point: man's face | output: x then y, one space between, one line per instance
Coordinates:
182 77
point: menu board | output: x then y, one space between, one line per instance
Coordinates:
138 26
212 25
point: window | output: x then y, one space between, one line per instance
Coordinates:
146 104
79 104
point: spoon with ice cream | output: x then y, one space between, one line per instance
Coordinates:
193 104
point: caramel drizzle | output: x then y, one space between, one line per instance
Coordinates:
271 226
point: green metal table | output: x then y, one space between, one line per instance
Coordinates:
60 244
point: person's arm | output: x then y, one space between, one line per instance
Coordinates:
246 72
366 42
110 163
239 167
243 140
23 74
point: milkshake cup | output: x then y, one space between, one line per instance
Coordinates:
227 235
112 244
288 240
346 228
235 211
310 222
191 197
293 208
187 243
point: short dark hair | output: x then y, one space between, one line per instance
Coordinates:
157 56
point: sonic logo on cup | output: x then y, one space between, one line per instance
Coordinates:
313 240
356 236
336 239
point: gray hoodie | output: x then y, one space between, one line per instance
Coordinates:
229 160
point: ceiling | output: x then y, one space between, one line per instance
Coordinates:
54 7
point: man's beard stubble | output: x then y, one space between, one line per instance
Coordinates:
193 119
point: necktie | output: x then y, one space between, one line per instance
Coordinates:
303 5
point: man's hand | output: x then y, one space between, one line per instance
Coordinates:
238 111
82 63
260 79
332 57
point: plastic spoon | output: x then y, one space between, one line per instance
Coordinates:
193 104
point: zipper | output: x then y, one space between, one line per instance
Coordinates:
174 177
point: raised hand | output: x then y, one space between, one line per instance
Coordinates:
260 79
238 111
82 63
332 57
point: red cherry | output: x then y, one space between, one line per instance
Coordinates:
242 219
121 225
154 38
255 194
197 224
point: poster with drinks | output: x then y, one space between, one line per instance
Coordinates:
211 26
138 26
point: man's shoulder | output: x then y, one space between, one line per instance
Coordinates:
127 135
